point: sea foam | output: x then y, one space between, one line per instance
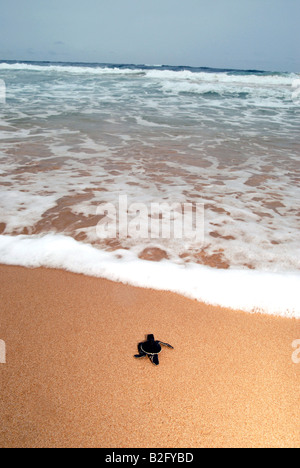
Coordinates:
265 79
75 136
246 290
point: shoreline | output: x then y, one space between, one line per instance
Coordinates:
252 291
71 380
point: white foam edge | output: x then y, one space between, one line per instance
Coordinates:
268 79
246 290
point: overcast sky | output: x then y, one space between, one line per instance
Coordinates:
247 34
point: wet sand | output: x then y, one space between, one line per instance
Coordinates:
71 379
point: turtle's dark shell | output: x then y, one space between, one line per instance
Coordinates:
151 347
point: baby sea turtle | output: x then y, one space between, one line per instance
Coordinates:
151 348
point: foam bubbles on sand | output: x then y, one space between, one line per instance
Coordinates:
22 209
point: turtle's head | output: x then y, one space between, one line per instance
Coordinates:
150 337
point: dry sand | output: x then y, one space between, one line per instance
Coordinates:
71 379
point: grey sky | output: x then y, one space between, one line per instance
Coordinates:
261 34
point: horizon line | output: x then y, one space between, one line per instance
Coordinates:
253 70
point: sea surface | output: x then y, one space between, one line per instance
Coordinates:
76 136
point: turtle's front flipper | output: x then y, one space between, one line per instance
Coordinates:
141 352
140 355
154 359
166 344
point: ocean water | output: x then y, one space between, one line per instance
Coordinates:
75 136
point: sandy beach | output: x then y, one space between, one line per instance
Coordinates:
71 379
